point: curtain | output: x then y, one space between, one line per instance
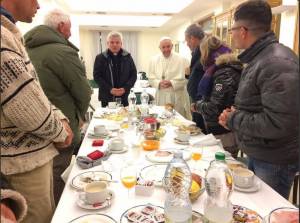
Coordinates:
129 43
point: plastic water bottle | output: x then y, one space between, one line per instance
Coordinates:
218 183
145 97
144 106
177 182
131 100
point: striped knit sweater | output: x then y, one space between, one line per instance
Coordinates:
29 123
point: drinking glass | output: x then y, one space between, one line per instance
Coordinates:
118 102
196 155
128 176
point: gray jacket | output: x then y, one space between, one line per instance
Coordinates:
266 122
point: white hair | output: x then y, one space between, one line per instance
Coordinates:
114 34
54 17
165 38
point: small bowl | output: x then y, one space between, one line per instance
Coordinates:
196 194
150 144
283 214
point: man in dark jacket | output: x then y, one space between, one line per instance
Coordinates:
114 71
63 79
193 36
265 118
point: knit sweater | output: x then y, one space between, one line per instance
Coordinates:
29 122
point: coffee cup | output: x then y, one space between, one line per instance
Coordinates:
112 105
183 136
116 144
243 177
96 192
100 129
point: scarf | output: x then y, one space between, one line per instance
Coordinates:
206 83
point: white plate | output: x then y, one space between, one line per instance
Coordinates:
123 150
181 142
196 216
154 173
138 209
254 188
80 180
83 204
113 127
166 159
94 218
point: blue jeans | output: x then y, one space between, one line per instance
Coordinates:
279 177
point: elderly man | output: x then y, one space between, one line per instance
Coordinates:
63 79
265 118
167 75
114 71
31 127
193 36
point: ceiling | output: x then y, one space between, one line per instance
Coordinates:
160 15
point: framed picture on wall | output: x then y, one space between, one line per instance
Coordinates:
176 47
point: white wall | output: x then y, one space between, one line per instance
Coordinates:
288 24
148 46
178 36
46 6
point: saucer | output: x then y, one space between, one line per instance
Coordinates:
91 134
123 150
254 188
181 142
81 202
97 217
113 127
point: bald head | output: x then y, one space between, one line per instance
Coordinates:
21 10
166 46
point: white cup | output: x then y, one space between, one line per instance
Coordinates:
100 129
243 177
96 192
183 135
116 144
112 105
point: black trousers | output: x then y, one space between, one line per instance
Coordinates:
197 117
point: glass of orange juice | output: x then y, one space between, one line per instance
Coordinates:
128 176
196 155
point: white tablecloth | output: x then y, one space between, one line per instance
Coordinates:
262 201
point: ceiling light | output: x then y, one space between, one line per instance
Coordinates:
134 6
119 20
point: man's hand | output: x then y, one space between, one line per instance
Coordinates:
224 116
117 91
165 84
193 107
7 213
68 140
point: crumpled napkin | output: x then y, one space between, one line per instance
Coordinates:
206 140
85 162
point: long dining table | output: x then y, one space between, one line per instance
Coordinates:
262 201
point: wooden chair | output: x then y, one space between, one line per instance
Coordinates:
296 187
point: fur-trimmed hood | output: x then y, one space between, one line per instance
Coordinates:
18 203
227 58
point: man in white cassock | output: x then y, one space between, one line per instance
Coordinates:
167 74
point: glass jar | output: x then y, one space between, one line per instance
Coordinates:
150 126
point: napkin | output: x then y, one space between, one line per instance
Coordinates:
205 140
86 162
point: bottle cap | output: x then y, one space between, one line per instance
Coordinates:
220 156
150 120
